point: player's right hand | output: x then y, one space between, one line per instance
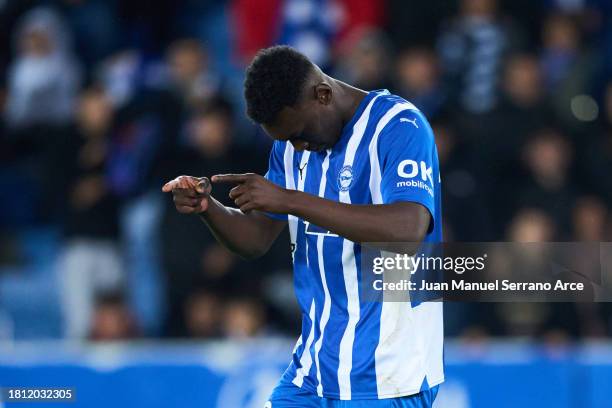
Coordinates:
191 194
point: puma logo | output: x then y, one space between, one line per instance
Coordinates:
302 168
413 121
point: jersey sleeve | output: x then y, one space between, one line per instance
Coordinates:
407 159
276 172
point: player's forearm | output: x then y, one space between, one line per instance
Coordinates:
243 234
398 222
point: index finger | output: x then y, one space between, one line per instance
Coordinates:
169 186
179 182
229 178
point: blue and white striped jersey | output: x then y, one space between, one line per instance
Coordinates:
351 349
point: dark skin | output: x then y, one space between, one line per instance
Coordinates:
315 123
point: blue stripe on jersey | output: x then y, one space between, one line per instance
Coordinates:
341 353
363 376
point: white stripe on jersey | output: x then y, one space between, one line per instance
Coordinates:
288 163
349 269
375 174
393 375
327 301
306 359
354 142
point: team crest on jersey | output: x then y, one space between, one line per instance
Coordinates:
345 178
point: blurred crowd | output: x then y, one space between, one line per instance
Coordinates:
102 101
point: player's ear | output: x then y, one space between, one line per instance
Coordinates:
323 93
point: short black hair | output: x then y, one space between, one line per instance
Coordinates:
274 79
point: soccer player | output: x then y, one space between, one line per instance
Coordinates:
347 167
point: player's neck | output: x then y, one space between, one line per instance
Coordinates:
349 100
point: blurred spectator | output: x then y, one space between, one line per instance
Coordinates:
531 225
548 158
472 48
557 318
560 38
364 59
522 83
203 314
91 260
567 68
591 224
524 319
112 319
190 73
498 146
417 80
590 220
523 103
210 132
463 197
94 24
217 261
82 160
44 77
596 159
119 76
243 318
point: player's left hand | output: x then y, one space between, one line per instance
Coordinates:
255 192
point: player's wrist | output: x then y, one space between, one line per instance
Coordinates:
291 201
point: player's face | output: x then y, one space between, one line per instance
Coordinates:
311 125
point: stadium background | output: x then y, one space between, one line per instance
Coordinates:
103 286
